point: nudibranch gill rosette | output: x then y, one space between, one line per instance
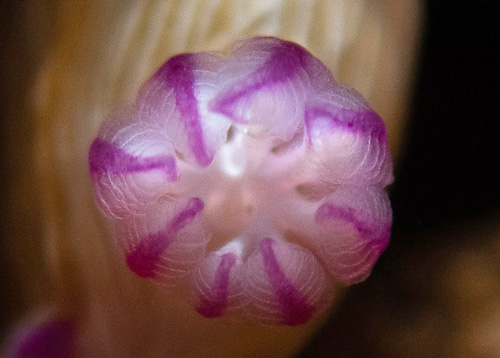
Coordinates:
250 176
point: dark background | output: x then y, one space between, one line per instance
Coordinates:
449 175
446 190
452 168
23 35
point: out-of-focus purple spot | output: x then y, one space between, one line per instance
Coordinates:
53 339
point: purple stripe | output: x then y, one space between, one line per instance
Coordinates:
296 309
193 207
364 121
372 231
146 255
144 258
283 63
107 158
179 75
215 304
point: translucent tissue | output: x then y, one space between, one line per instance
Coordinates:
252 176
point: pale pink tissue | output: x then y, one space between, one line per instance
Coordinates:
252 176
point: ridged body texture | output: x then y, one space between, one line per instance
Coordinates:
252 176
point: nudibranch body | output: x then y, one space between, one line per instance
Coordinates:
252 176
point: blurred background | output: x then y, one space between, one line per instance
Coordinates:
24 34
436 290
